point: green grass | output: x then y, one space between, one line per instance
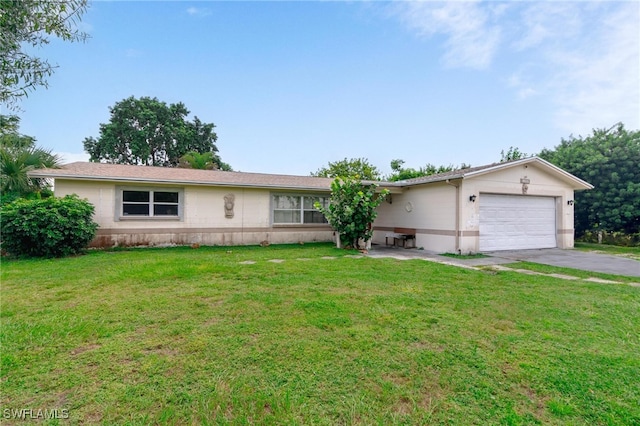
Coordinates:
548 269
183 336
631 252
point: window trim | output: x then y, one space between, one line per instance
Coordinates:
302 210
119 204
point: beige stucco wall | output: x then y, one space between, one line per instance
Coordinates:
429 209
203 219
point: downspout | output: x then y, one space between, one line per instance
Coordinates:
457 214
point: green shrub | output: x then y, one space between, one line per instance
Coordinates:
51 227
352 209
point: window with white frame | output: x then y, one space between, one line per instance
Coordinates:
298 209
149 203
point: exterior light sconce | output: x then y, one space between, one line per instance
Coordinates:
389 199
570 202
472 198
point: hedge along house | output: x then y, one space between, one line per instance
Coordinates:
520 204
514 205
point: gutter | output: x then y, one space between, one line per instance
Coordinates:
181 182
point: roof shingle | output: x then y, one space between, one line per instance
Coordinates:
130 173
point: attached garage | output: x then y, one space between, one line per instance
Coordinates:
513 205
516 222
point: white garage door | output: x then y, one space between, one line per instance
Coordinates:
512 222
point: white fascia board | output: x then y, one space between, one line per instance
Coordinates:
578 184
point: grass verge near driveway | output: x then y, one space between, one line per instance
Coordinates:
183 336
579 273
630 252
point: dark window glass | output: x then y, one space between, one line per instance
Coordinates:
135 196
286 202
165 197
286 216
135 209
165 210
309 202
314 217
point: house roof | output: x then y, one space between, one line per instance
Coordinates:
575 182
170 175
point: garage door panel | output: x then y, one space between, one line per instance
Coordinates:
511 222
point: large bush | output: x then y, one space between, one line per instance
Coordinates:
51 227
352 209
609 160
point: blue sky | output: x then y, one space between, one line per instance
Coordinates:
294 85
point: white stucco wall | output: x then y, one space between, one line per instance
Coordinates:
203 219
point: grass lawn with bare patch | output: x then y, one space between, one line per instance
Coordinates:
629 252
184 336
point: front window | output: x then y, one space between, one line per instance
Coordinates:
298 209
150 203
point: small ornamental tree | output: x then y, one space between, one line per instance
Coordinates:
352 209
51 227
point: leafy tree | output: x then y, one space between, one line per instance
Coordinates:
149 132
358 168
352 209
609 159
205 161
28 24
51 227
19 155
9 124
513 153
401 173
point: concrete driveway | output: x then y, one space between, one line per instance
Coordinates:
587 261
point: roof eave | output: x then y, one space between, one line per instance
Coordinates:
177 182
577 183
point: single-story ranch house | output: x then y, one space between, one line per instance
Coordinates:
521 204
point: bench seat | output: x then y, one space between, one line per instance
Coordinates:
404 235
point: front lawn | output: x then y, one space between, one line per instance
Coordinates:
205 336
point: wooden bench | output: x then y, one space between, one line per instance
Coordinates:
401 234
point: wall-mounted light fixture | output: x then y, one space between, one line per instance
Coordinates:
570 202
389 199
472 198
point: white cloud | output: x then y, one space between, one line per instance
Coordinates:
541 22
583 57
196 11
521 82
598 84
471 38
